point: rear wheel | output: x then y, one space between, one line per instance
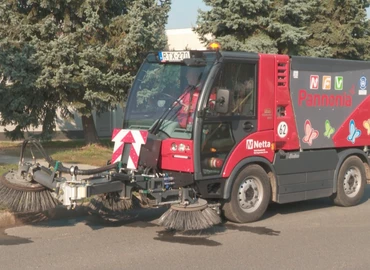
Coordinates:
250 195
351 182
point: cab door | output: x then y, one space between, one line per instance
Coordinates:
219 133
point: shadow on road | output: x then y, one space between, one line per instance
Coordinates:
309 205
202 237
8 240
145 218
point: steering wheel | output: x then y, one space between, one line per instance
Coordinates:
172 98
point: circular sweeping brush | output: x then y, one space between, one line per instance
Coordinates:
111 205
195 216
20 195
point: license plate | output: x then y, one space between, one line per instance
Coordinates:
175 56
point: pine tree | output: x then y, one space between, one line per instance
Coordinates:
289 20
340 30
266 26
237 24
22 104
82 55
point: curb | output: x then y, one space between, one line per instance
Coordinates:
10 219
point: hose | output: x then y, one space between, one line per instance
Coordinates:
76 171
58 166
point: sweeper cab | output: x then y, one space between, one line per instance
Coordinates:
213 133
265 128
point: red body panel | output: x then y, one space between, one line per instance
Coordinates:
177 160
273 92
286 135
360 134
259 144
266 92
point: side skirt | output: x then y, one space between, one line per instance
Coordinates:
305 175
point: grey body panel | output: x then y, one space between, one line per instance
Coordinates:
324 93
308 175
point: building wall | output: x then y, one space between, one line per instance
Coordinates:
180 39
72 129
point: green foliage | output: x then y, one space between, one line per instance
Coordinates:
265 26
340 30
327 28
74 55
238 24
289 19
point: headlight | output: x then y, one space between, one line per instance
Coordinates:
173 146
182 147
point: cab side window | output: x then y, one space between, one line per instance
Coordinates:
240 80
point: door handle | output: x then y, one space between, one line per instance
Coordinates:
248 126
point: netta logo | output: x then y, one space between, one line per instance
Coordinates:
252 144
324 100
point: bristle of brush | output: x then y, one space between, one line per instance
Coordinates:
109 207
27 201
189 220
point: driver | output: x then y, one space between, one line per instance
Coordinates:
189 98
244 103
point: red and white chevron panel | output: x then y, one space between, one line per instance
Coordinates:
134 137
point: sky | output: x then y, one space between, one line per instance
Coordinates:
184 13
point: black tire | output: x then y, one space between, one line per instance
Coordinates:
351 182
250 195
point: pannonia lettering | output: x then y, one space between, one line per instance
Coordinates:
324 100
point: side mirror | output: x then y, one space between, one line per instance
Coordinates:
222 101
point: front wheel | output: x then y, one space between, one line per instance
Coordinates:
351 182
250 195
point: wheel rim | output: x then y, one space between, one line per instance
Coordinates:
352 182
250 194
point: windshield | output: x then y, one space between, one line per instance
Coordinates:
167 92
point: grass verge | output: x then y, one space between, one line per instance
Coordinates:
7 167
65 151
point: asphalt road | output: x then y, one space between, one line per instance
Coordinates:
305 235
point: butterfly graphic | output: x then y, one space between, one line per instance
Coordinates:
353 132
329 130
367 126
310 133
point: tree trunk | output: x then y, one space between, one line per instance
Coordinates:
90 134
48 124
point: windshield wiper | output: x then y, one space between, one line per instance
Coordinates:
164 115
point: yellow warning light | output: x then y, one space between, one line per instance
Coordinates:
214 46
273 147
213 150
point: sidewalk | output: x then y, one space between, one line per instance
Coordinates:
8 159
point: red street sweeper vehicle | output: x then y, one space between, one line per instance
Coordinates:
249 130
